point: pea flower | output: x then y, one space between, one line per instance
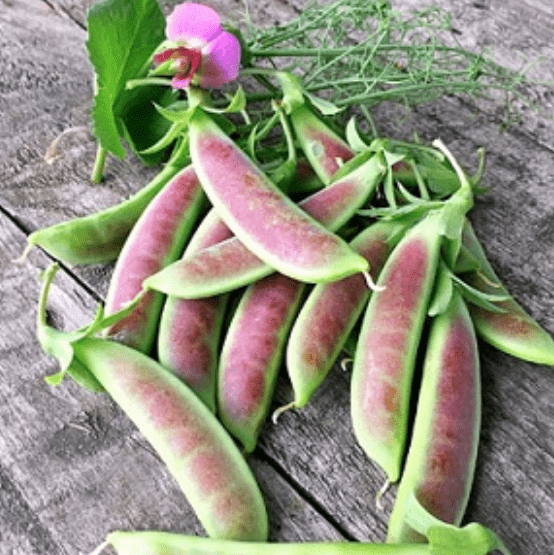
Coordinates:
198 50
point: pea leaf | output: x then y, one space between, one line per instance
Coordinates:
122 35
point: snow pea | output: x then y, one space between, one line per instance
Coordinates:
330 312
190 329
251 354
385 355
323 148
444 539
230 264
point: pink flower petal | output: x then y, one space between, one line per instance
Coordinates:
221 61
192 21
181 81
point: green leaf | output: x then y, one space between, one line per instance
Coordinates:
353 136
466 261
142 125
326 107
480 298
122 35
177 112
237 103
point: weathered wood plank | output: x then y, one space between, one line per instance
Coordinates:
58 475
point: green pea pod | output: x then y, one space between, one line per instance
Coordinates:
199 453
189 329
511 329
230 264
98 238
252 352
323 148
157 239
441 458
268 222
444 539
167 543
330 312
385 355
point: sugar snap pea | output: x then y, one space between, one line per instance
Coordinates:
98 238
444 539
230 264
330 312
323 148
251 354
512 329
199 453
268 222
157 238
189 329
441 458
385 355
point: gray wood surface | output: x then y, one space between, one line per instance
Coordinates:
72 467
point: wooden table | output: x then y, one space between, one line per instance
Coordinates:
73 467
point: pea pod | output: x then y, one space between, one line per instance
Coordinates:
323 148
157 239
189 329
98 238
441 459
199 453
268 222
444 539
230 264
387 346
330 312
512 329
252 352
167 543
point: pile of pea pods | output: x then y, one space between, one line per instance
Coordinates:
226 272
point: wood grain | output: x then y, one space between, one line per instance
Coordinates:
72 467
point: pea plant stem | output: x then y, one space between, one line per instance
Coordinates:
99 163
338 51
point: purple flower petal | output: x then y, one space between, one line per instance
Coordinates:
221 61
192 21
